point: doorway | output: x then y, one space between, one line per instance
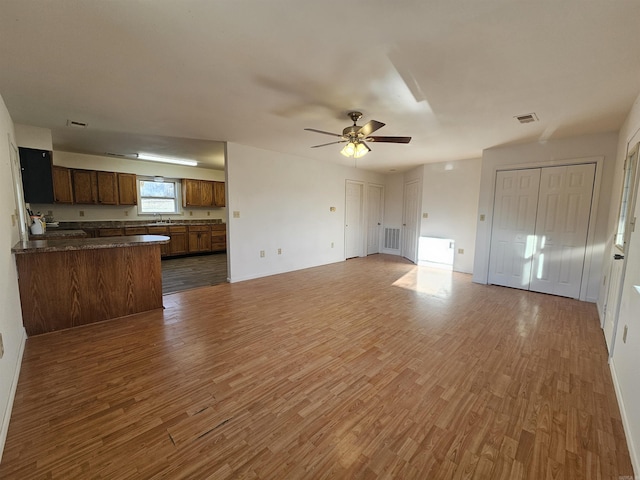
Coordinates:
410 213
375 197
353 226
540 226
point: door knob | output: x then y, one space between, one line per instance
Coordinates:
617 256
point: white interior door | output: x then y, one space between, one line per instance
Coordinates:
564 208
513 230
353 229
375 199
410 221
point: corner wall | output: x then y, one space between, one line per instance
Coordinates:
283 202
11 328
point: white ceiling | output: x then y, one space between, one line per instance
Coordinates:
451 74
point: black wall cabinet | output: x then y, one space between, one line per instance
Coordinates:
37 179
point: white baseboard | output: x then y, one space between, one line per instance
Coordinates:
12 394
633 453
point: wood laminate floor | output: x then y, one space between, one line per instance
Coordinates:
184 273
372 368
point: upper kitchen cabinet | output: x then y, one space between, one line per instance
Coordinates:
202 193
37 178
85 186
107 188
191 193
218 194
62 190
127 189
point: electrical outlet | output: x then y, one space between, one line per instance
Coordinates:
279 251
82 213
236 214
482 217
191 213
13 220
425 215
208 214
461 251
331 244
332 209
1 347
126 213
624 334
261 253
50 213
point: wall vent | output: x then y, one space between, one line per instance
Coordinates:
527 118
76 124
392 238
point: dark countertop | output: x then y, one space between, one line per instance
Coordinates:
71 244
58 233
135 223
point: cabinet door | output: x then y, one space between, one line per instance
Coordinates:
62 191
37 180
206 190
178 244
85 186
191 194
199 238
110 232
218 194
127 189
107 188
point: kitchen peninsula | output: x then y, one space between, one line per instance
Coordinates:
65 283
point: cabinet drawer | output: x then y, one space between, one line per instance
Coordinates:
157 230
135 230
199 228
110 232
219 228
178 229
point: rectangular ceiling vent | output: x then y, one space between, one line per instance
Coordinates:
527 118
76 124
112 154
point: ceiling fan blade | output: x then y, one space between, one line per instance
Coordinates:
389 139
370 127
322 131
365 145
330 143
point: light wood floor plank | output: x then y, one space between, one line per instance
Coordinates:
371 368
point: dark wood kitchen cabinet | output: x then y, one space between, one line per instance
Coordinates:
218 238
127 189
107 188
199 238
85 186
165 249
179 241
62 189
218 194
191 193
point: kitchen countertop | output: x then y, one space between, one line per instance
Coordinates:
136 223
70 244
58 233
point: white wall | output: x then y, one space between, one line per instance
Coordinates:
33 137
13 333
552 152
69 213
626 355
450 198
284 202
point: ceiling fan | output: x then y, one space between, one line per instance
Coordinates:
355 137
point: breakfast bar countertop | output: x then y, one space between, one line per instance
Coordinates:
71 244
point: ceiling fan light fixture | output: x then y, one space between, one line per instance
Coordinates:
361 150
349 150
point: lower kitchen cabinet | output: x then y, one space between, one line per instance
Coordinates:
165 249
199 238
179 242
218 238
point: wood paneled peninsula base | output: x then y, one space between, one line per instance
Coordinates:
70 282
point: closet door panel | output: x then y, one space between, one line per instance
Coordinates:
564 209
514 219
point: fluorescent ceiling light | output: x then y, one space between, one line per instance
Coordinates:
156 158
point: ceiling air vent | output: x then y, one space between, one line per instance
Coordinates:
76 124
527 118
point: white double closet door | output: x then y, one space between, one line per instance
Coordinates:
540 226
